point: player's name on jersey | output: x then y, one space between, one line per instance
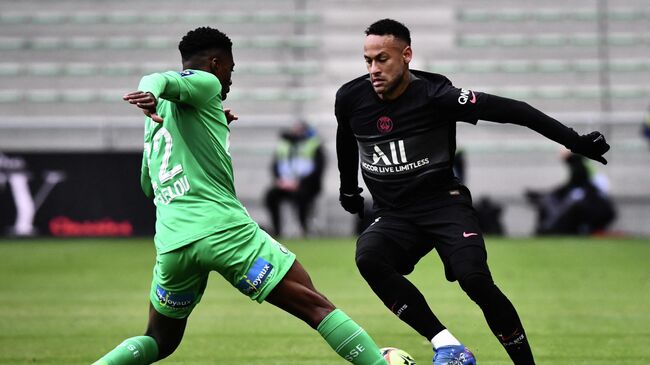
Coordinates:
395 169
166 194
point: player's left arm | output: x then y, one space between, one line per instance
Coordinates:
504 110
470 106
347 153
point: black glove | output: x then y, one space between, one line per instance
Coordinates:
352 202
592 145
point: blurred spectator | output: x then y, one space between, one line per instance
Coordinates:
579 206
489 215
298 166
459 165
645 128
488 211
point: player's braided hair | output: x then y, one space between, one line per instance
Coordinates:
202 39
390 27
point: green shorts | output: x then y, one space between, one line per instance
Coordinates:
246 256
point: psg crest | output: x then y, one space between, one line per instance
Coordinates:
384 125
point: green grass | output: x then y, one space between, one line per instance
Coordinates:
69 302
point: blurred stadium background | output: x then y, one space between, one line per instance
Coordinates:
64 66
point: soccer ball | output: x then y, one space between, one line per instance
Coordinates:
396 356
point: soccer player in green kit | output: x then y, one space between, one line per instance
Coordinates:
201 226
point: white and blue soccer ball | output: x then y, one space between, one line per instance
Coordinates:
395 356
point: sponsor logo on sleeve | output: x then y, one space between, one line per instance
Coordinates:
465 97
186 73
174 300
256 276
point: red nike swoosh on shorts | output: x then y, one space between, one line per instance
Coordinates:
473 99
469 234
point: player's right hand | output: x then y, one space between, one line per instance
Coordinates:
145 101
593 146
352 202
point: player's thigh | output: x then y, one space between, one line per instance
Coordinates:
248 258
178 282
394 242
458 240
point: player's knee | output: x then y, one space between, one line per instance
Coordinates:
377 256
167 342
372 264
479 287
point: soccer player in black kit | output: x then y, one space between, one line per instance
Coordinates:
402 124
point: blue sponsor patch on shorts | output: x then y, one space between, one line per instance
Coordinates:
186 73
255 277
174 300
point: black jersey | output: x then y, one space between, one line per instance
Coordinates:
407 145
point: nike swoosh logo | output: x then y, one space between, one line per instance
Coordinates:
470 234
473 99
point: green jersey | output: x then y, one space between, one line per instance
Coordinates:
186 165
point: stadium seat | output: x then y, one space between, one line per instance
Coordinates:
14 18
45 69
42 96
158 17
516 67
86 18
560 92
10 96
48 18
10 69
549 40
81 69
548 15
552 66
80 43
12 43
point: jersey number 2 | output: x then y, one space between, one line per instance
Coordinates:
165 173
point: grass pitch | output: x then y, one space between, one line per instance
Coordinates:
582 301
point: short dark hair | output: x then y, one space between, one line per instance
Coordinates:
202 39
390 27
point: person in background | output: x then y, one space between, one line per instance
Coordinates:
488 211
645 127
298 166
579 206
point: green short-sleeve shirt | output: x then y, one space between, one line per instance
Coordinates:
186 167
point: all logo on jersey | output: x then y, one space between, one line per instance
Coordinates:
397 154
186 73
465 97
391 158
384 124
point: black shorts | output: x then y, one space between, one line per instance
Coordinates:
447 223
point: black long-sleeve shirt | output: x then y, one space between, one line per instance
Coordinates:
406 146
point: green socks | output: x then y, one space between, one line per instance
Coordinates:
349 340
140 350
344 335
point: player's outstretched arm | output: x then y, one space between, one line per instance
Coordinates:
145 101
503 110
